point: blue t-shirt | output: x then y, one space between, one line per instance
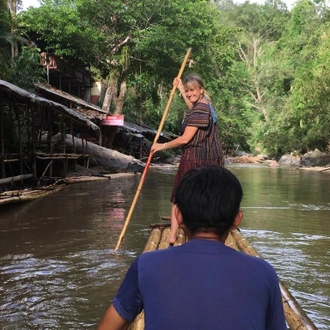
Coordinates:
204 285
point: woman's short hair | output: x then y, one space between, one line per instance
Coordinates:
193 78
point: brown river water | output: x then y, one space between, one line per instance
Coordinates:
58 268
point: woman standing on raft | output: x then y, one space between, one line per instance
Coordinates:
200 139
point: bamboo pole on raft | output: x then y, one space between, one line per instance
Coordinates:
144 173
294 314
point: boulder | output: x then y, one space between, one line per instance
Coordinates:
273 163
289 160
248 159
315 158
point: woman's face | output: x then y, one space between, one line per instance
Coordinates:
193 91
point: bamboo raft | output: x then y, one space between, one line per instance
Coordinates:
295 317
18 196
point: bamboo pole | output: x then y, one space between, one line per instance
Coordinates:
2 142
34 142
150 154
50 136
20 141
44 172
16 178
157 240
27 196
153 240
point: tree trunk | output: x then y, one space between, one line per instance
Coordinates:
108 160
122 95
111 92
251 55
13 10
107 98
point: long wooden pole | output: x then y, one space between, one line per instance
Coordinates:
144 173
2 142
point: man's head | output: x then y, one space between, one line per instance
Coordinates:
209 199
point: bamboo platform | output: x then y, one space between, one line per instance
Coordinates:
295 317
18 196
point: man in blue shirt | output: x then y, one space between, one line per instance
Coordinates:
202 284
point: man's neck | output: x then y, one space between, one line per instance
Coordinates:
208 236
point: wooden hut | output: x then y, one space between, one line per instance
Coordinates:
27 125
129 138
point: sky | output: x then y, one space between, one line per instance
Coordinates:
29 3
289 3
35 3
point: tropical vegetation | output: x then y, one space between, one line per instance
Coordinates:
265 66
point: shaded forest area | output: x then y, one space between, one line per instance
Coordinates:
265 67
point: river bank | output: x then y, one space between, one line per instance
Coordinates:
82 175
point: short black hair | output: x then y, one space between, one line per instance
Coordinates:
209 199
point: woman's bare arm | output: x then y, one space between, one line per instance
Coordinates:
187 135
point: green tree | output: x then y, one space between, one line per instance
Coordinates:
297 124
26 68
122 39
7 40
310 117
265 67
257 79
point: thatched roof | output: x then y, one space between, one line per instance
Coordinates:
147 131
91 112
10 91
78 102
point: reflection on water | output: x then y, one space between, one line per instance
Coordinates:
59 269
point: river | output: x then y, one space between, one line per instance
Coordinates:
58 265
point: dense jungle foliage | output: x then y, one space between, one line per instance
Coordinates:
265 67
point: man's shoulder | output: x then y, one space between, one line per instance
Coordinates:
157 253
257 263
168 253
194 248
